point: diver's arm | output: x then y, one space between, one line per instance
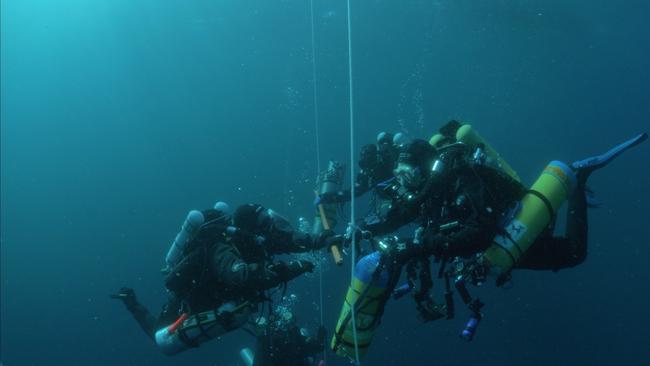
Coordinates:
229 268
361 187
141 314
232 270
292 242
397 216
299 242
144 318
471 238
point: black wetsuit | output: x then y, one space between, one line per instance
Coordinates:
550 252
376 165
474 200
218 268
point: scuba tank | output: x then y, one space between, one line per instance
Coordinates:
536 212
329 182
190 228
370 289
467 135
191 331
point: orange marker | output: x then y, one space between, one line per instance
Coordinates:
336 253
172 328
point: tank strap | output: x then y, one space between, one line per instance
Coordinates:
394 277
512 258
547 203
339 334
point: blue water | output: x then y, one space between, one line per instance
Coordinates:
119 116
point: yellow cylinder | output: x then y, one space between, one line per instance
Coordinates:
538 207
467 135
437 140
368 295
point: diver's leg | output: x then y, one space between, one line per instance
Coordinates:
576 231
139 312
573 247
555 253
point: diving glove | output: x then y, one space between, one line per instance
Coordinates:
328 238
291 270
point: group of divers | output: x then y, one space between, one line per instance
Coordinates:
463 208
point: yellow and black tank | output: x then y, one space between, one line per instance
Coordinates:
535 213
368 294
536 210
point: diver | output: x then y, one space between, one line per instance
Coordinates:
461 204
464 207
217 275
376 163
269 233
281 342
473 213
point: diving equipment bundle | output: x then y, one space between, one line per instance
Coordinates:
375 278
329 182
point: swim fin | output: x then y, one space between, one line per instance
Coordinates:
586 166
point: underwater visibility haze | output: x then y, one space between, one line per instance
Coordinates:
120 116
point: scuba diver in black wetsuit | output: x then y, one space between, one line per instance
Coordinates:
376 163
472 212
217 274
459 203
281 342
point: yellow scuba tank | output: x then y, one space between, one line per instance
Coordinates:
467 135
535 212
368 293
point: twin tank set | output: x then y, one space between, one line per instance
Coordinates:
369 291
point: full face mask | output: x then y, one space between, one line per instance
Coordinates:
408 176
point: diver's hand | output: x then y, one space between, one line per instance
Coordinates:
327 239
127 296
355 233
291 270
329 198
301 266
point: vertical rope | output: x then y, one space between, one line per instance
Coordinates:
353 260
313 73
318 167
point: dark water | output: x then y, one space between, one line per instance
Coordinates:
118 116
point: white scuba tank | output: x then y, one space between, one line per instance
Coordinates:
190 228
193 330
223 207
